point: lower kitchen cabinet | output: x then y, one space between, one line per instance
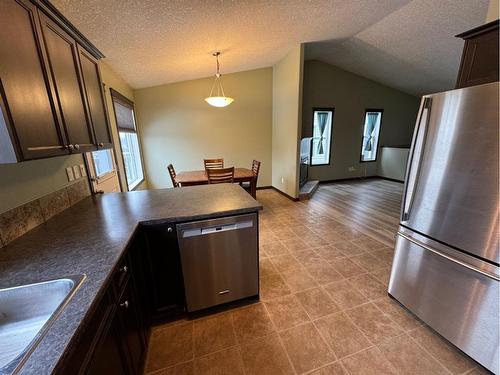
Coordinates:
114 339
122 346
108 357
165 284
132 332
146 287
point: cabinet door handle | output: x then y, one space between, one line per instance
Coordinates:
100 144
124 269
70 147
77 147
170 230
125 304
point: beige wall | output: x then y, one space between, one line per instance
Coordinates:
23 182
287 96
492 14
177 126
328 86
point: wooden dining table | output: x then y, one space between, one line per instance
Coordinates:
191 178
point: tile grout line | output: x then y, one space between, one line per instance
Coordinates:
281 341
238 344
430 354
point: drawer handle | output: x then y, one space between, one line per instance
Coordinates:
224 292
124 269
455 260
125 304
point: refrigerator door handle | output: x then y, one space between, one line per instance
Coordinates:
446 256
417 151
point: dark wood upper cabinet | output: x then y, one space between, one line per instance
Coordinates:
29 127
51 97
479 63
63 62
95 98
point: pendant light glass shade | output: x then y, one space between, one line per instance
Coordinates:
219 101
217 98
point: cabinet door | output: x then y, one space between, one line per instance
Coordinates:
109 357
165 283
95 98
132 333
63 59
479 59
24 85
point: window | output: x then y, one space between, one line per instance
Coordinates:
131 159
103 162
322 136
371 132
131 152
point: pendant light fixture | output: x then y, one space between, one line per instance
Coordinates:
217 98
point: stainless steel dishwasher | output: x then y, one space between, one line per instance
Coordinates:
219 260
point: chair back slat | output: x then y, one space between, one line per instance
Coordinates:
171 172
220 175
213 163
256 168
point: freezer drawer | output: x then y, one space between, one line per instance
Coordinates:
219 260
458 300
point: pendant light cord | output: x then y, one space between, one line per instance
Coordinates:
218 76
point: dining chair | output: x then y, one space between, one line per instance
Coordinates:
171 172
251 187
220 175
213 163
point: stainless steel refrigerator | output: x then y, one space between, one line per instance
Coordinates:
446 261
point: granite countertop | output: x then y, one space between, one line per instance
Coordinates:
90 237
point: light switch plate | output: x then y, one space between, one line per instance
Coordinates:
76 171
83 171
69 173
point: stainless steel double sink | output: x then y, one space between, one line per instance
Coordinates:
26 313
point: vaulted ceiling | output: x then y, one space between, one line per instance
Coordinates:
412 49
402 43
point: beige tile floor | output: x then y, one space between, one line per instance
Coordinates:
324 310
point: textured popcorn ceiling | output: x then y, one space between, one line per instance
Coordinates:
413 48
403 43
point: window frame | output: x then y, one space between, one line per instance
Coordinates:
381 111
123 100
321 109
106 175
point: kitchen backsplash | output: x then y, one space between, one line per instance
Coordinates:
14 223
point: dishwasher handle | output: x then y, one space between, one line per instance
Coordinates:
203 231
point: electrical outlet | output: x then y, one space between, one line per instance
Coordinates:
83 171
76 171
69 173
351 169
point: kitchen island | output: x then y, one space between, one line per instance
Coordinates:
90 238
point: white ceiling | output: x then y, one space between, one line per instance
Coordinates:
413 49
405 44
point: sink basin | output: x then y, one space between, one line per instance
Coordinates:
26 313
